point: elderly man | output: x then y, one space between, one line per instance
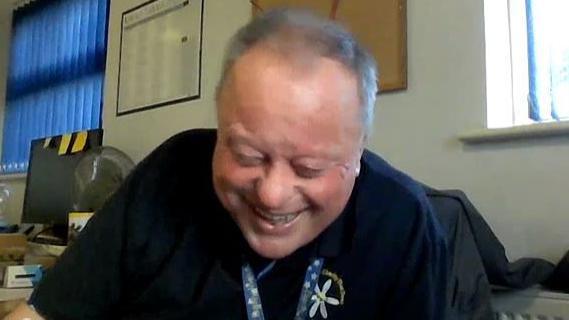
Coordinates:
280 214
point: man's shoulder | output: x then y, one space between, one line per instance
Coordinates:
202 136
176 174
391 202
167 192
400 236
381 179
180 153
193 142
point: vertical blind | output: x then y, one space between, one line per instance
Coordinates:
548 53
55 74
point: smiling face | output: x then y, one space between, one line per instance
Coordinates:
288 148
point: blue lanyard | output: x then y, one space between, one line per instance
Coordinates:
253 299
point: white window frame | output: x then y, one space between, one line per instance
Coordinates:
507 79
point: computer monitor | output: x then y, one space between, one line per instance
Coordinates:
48 198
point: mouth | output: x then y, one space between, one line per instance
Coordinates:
277 219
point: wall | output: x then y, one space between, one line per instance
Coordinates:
520 187
138 133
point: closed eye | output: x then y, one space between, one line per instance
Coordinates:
308 173
248 160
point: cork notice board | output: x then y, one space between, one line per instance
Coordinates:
379 24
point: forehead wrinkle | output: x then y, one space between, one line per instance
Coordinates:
287 77
247 99
287 147
297 66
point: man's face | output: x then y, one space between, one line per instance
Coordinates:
288 148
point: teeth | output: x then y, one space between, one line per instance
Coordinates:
277 218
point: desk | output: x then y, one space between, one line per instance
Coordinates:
16 244
10 298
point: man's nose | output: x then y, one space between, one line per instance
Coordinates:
276 187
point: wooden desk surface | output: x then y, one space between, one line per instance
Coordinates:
8 294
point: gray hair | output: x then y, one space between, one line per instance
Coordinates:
318 35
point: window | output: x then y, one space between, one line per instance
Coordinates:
527 61
55 74
548 56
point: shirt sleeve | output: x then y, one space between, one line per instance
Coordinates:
100 274
85 282
422 283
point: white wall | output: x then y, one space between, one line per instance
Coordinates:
520 187
138 133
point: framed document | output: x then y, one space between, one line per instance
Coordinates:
380 25
160 55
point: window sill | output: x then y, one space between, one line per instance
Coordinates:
12 176
531 131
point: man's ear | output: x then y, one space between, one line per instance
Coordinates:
358 163
363 143
360 154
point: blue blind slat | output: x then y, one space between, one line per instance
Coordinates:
9 122
42 46
13 137
9 138
73 109
67 26
24 127
17 137
50 118
40 115
61 108
76 43
33 77
87 101
97 100
50 39
80 104
56 112
25 41
101 33
92 32
58 38
55 74
83 29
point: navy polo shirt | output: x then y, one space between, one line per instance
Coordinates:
163 247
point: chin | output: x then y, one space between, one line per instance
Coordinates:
272 249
